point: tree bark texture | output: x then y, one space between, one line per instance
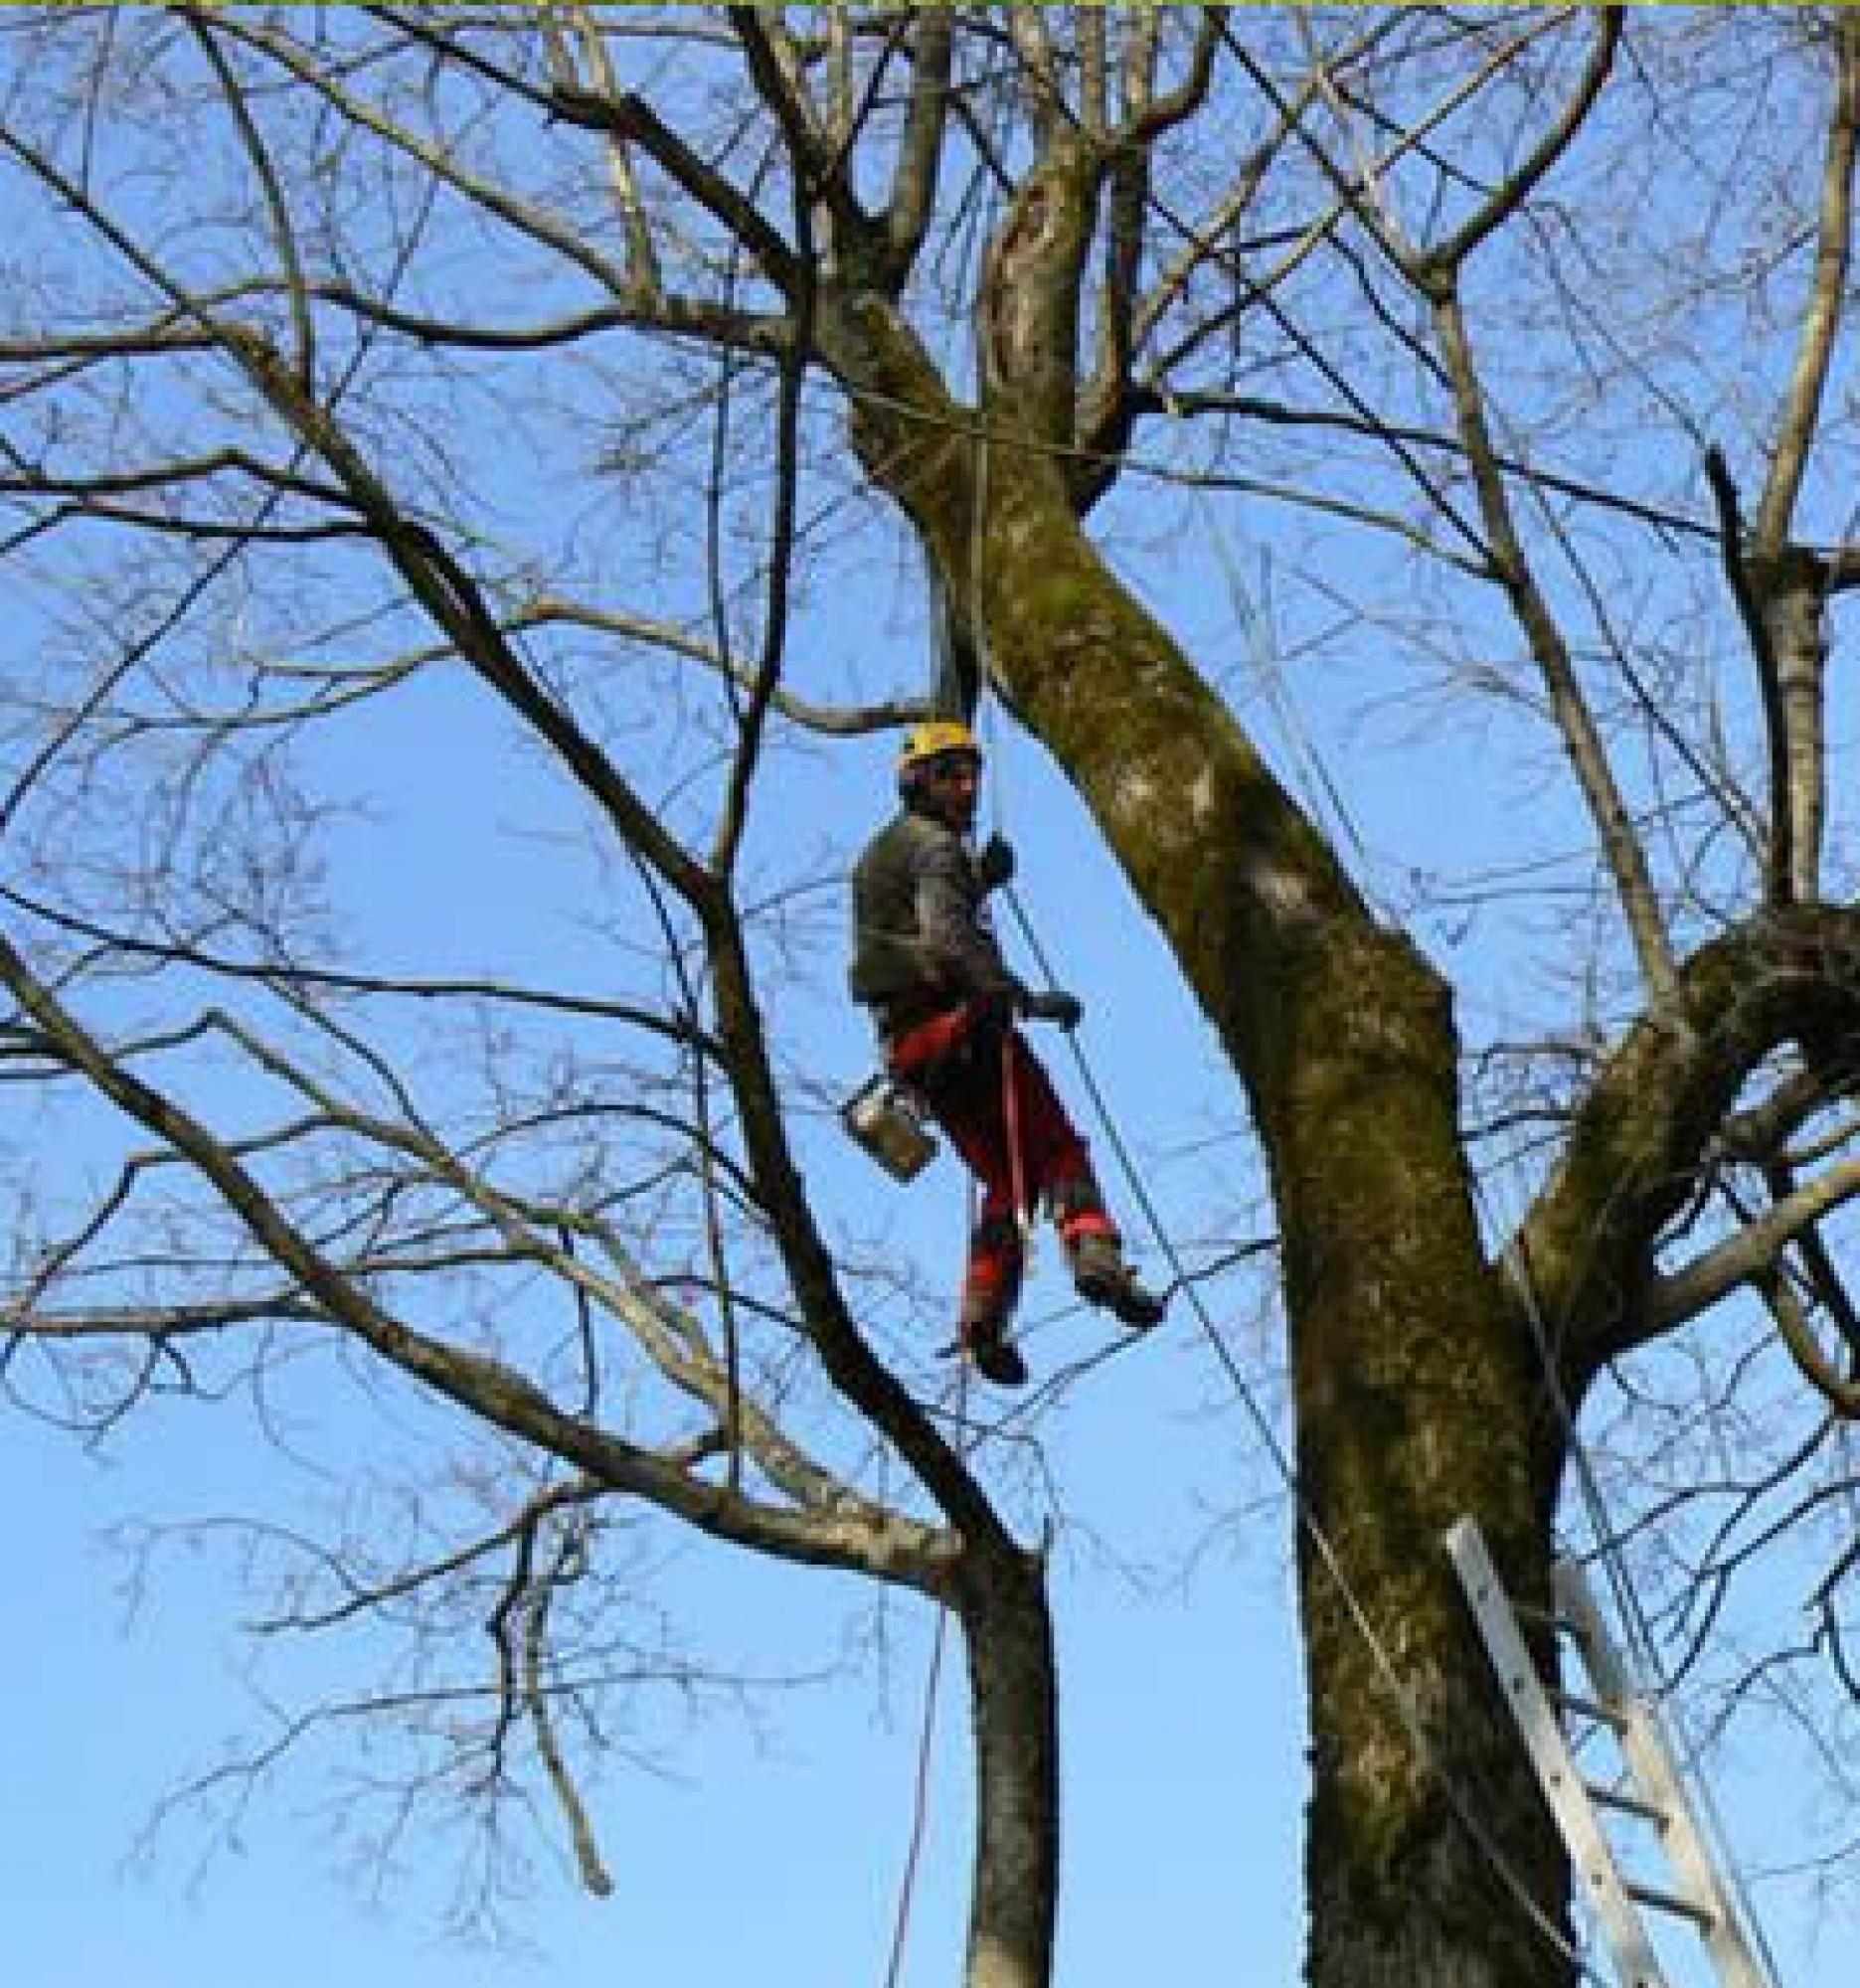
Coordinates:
1008 1634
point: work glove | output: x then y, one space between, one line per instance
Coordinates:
995 866
1055 1004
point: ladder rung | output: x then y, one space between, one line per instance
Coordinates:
1628 1805
1588 1708
1671 1902
1559 1726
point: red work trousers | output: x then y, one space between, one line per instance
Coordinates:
993 1098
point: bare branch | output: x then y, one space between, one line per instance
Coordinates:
1347 421
711 323
751 718
1840 1391
536 1699
647 278
1352 193
1649 1120
1749 1255
1094 71
1576 721
1779 854
199 23
1821 314
37 479
1038 72
272 973
523 216
892 1549
1147 116
818 167
629 116
1446 257
920 154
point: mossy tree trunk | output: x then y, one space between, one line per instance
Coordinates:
1416 1392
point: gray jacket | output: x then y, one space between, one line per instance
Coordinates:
921 933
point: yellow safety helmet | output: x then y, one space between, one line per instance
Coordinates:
933 740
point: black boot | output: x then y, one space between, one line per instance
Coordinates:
992 1354
1102 1277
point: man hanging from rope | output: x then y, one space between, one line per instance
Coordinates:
927 963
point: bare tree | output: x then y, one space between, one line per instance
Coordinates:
369 371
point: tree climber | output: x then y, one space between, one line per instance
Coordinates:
927 963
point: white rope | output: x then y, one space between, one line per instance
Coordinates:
1318 790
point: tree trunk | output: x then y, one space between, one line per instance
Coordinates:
1428 1856
1002 1602
1793 599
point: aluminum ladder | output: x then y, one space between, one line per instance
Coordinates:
1649 1791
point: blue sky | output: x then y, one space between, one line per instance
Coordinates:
773 1844
778 1850
771 1841
775 1841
